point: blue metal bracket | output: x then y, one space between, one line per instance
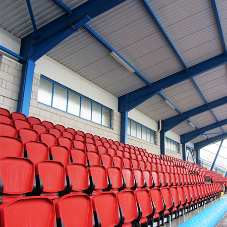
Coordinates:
204 143
36 33
215 158
124 128
219 25
191 135
184 148
163 138
176 120
63 6
22 59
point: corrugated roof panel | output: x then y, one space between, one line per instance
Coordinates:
184 96
15 16
194 43
129 29
198 139
214 132
183 128
203 119
213 83
225 128
220 112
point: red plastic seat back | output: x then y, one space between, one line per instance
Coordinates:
128 202
36 151
135 164
17 175
93 158
91 147
68 135
79 138
55 131
115 176
128 178
27 135
6 120
101 150
78 177
157 198
156 178
10 147
117 161
106 160
65 142
79 156
106 206
49 139
138 175
95 137
4 112
127 155
34 121
89 140
16 116
111 152
175 195
106 145
99 176
60 154
187 193
166 194
21 124
148 178
52 175
181 194
39 129
119 153
60 127
71 130
48 124
39 212
7 130
79 145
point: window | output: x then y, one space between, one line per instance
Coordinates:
139 131
172 145
62 98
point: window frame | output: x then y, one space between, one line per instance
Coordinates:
172 145
81 96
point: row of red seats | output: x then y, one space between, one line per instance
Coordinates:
125 208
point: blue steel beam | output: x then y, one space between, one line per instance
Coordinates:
219 25
226 174
204 143
149 10
63 6
22 59
36 33
89 9
191 135
111 49
215 158
176 120
142 94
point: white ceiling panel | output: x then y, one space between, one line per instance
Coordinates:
220 112
214 132
183 128
203 119
184 96
195 43
225 128
198 139
213 83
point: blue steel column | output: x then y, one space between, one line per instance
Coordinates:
197 150
216 155
163 138
226 174
184 148
124 127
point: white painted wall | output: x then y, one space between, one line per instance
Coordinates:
9 41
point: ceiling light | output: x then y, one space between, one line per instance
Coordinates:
205 136
190 123
121 61
170 104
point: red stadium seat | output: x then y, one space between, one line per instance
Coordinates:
34 121
91 147
105 217
51 179
16 116
56 132
78 156
135 164
27 135
127 163
101 150
68 135
39 129
89 140
81 133
148 179
10 147
130 207
21 124
79 138
119 153
167 196
106 160
156 179
6 120
117 161
60 127
79 145
71 130
78 178
139 179
7 130
93 158
147 206
116 178
36 151
30 211
111 152
74 210
60 154
5 112
48 124
17 177
49 139
65 142
128 178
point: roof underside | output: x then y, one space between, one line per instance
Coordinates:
131 32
